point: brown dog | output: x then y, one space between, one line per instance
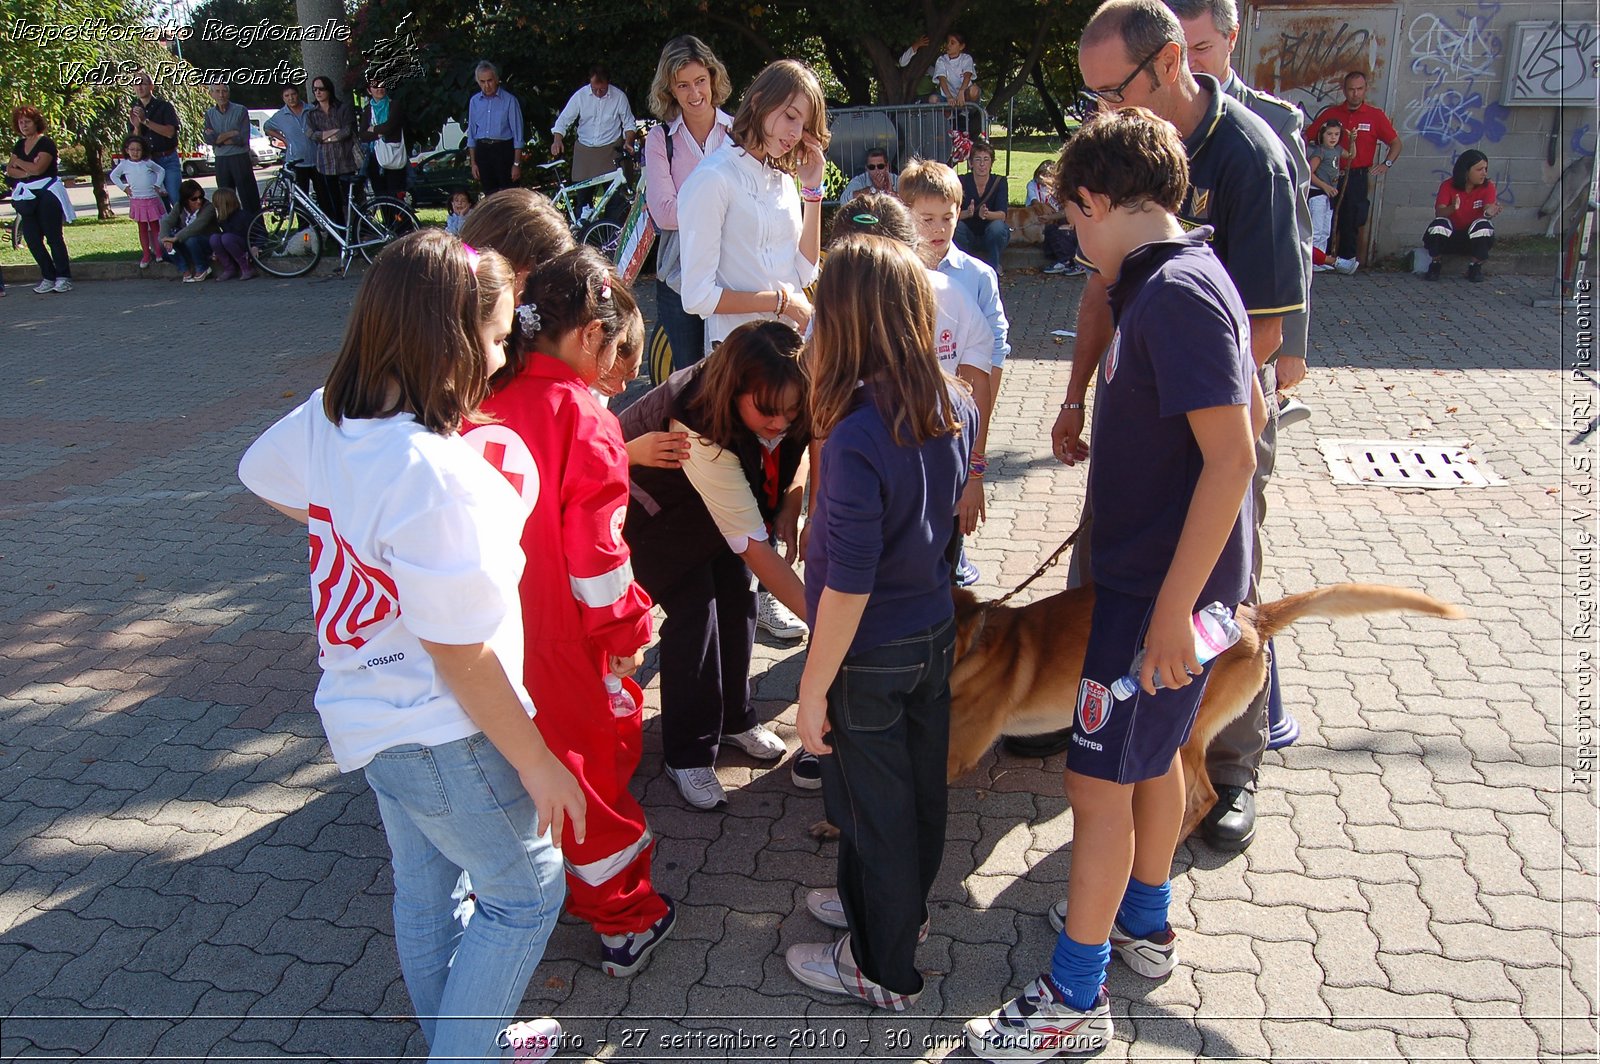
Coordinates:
1017 669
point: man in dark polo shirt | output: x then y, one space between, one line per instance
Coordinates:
1132 54
156 121
1368 125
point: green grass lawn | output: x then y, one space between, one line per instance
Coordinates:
88 240
1026 155
91 240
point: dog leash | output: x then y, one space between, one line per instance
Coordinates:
1037 573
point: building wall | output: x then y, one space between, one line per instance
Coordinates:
1440 71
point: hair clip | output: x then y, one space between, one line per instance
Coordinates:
528 318
864 219
605 291
472 258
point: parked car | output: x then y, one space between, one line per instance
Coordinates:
202 159
262 151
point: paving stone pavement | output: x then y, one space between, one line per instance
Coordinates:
184 875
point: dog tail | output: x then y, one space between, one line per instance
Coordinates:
1347 600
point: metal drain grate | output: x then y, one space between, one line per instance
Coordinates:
1406 464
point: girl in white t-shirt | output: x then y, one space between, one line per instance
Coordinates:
414 566
142 179
955 73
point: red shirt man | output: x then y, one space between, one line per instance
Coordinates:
1369 126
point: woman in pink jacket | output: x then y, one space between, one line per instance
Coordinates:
687 94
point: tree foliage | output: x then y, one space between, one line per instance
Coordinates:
544 47
77 71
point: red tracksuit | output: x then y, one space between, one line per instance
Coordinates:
563 451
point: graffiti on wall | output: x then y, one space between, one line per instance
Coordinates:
1554 62
1304 57
1456 55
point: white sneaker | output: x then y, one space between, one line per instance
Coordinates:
1292 412
825 905
777 619
1322 267
1346 266
1037 1024
759 742
44 286
1153 957
699 787
63 284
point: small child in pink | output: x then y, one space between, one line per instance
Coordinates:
142 180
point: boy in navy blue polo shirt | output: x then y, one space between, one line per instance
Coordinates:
1174 452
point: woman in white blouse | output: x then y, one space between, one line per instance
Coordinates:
750 238
690 86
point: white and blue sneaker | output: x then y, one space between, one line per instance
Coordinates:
626 954
1038 1024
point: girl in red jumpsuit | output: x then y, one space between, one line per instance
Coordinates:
583 615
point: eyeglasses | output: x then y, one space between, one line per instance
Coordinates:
319 88
877 166
1090 100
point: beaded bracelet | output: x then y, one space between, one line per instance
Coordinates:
812 195
783 301
977 466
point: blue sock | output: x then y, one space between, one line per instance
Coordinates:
1144 908
1079 971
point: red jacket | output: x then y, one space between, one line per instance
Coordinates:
563 451
1462 208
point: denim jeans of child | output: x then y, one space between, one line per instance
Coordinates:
885 788
461 806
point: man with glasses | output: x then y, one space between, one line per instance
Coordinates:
156 121
877 177
1132 54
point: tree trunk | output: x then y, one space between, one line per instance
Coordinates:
1050 106
97 178
329 58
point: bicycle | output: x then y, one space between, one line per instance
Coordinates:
596 208
286 236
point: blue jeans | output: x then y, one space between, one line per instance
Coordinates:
172 177
193 253
461 806
685 332
884 787
983 240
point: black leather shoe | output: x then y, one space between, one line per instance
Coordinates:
1047 745
1231 824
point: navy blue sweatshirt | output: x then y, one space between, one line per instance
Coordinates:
884 518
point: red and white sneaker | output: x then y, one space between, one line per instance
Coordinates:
533 1040
1153 957
1038 1024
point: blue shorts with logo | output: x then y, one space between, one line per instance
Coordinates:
1132 740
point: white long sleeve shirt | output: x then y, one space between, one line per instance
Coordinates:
601 120
740 222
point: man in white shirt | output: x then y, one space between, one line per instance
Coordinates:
876 178
604 121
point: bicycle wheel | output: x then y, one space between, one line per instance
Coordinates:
279 245
379 223
603 235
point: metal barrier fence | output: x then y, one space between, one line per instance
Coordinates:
903 130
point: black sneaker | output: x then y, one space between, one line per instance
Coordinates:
806 771
626 954
1435 268
1474 272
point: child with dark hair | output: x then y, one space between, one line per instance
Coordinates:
699 528
142 179
584 617
1179 413
461 204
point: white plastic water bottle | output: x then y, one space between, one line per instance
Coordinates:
1215 630
622 703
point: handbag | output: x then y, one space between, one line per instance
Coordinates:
390 156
